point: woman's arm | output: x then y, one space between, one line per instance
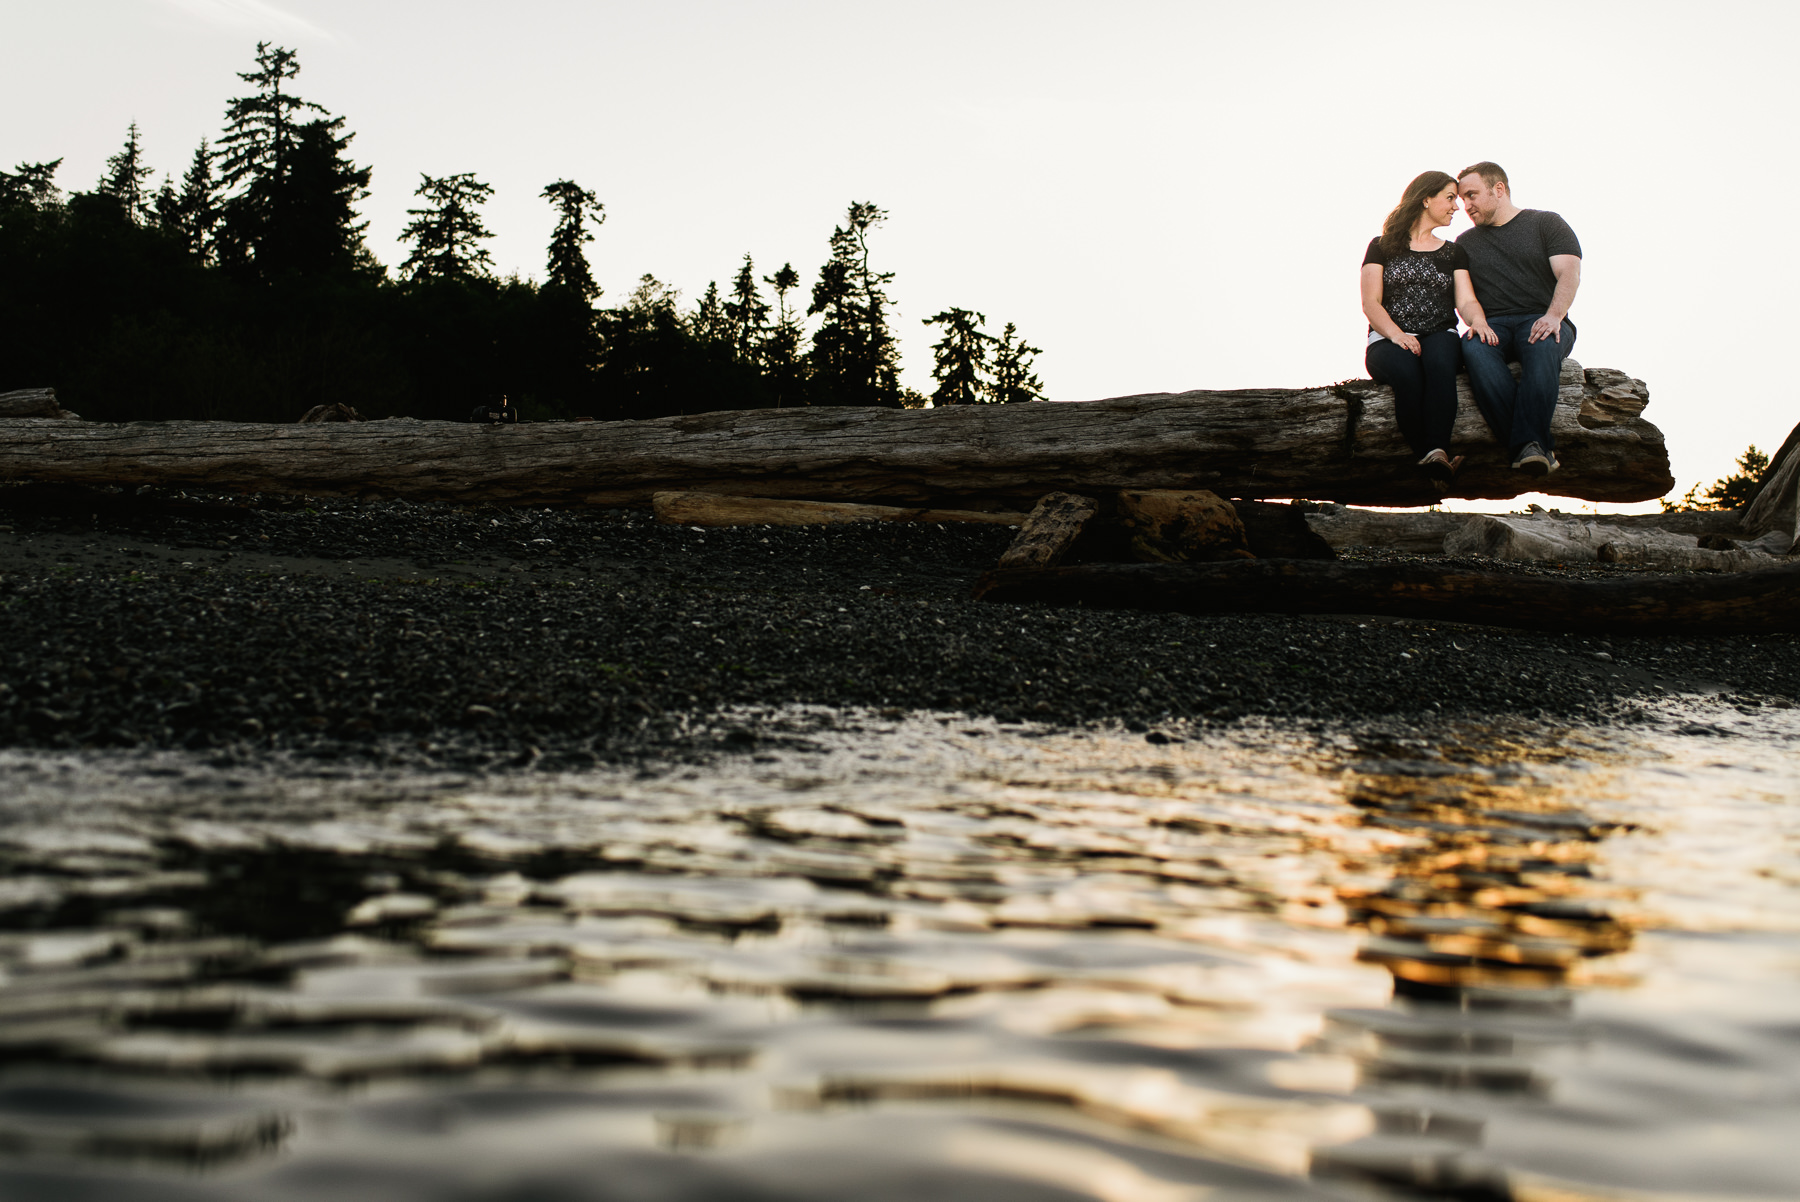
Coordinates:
1472 314
1378 316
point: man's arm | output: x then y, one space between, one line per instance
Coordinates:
1567 269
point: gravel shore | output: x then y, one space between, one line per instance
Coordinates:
439 634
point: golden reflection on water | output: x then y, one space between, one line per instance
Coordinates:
1499 891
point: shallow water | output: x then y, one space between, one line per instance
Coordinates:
921 957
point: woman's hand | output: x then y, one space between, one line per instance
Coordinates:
1485 332
1407 341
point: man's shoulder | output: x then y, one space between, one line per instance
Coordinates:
1555 233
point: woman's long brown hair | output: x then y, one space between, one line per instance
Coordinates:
1396 231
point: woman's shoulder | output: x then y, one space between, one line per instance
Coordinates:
1374 254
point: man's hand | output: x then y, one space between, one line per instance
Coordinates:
1408 342
1485 332
1567 269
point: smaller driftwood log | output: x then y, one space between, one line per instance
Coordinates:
712 509
33 402
1760 602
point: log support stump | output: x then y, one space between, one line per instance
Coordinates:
1052 527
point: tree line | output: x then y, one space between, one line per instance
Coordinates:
246 291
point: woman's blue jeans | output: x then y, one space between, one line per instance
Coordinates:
1518 411
1424 386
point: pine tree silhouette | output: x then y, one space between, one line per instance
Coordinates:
262 129
568 265
1012 376
124 179
746 316
960 358
290 207
783 367
854 359
708 322
195 212
31 185
446 234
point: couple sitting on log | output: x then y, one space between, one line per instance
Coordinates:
1512 278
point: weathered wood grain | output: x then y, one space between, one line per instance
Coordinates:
1759 602
1337 443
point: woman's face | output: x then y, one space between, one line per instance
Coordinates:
1441 208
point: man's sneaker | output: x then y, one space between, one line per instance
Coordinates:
1535 461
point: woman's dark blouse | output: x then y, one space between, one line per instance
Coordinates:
1418 288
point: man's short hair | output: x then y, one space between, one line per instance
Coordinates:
1490 173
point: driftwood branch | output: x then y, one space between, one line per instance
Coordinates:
1760 602
1338 443
711 509
1776 505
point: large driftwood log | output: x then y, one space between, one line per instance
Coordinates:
1760 602
1336 443
711 509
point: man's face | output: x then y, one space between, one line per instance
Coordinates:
1481 200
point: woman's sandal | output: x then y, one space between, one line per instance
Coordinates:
1440 467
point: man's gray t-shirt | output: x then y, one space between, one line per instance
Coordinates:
1510 264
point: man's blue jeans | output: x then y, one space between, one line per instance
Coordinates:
1518 411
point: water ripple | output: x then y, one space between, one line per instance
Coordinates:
920 955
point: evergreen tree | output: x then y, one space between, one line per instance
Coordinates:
709 323
126 173
782 365
652 297
195 212
568 266
1013 377
313 227
446 233
960 359
31 184
163 206
291 191
1728 492
854 358
261 130
746 316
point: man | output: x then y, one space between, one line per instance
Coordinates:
1525 265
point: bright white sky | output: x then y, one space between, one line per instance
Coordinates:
1163 196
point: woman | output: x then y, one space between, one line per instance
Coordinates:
1413 286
